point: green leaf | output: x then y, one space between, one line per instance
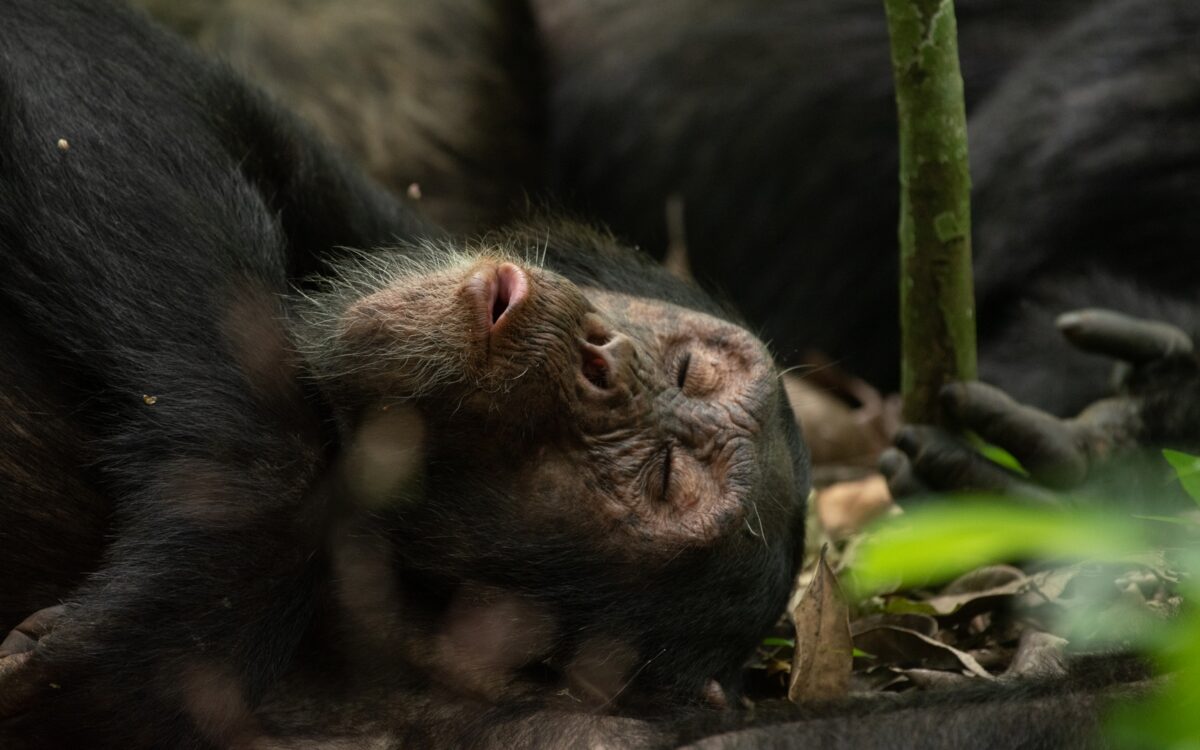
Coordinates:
996 454
775 642
938 541
1187 470
860 654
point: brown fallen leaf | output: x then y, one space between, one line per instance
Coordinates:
909 620
982 579
890 644
972 602
847 507
836 433
1038 655
961 600
823 658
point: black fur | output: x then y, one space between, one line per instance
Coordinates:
775 123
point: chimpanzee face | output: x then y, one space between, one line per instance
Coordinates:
617 459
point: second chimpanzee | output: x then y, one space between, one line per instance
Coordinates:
774 124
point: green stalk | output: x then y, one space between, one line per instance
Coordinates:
937 299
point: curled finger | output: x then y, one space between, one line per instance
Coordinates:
946 463
1046 446
1124 337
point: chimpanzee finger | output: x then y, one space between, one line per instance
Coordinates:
946 464
902 482
1124 337
1045 445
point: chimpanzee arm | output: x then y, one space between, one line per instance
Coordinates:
148 234
1062 712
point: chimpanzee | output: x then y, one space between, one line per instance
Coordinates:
532 464
773 122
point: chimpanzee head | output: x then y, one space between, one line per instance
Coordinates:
605 457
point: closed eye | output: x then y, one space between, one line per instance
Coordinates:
683 370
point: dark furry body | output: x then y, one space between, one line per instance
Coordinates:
175 188
775 123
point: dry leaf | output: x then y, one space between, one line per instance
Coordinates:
823 658
835 432
846 507
1038 655
983 579
909 620
891 644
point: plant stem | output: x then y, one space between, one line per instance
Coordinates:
937 300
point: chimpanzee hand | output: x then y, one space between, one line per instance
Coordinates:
1157 403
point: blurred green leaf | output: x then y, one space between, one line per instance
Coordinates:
938 541
1187 470
1170 716
996 454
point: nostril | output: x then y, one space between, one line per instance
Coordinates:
598 339
595 369
507 290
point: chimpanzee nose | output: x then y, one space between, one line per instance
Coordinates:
607 361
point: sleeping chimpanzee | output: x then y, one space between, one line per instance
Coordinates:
533 466
774 122
448 493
